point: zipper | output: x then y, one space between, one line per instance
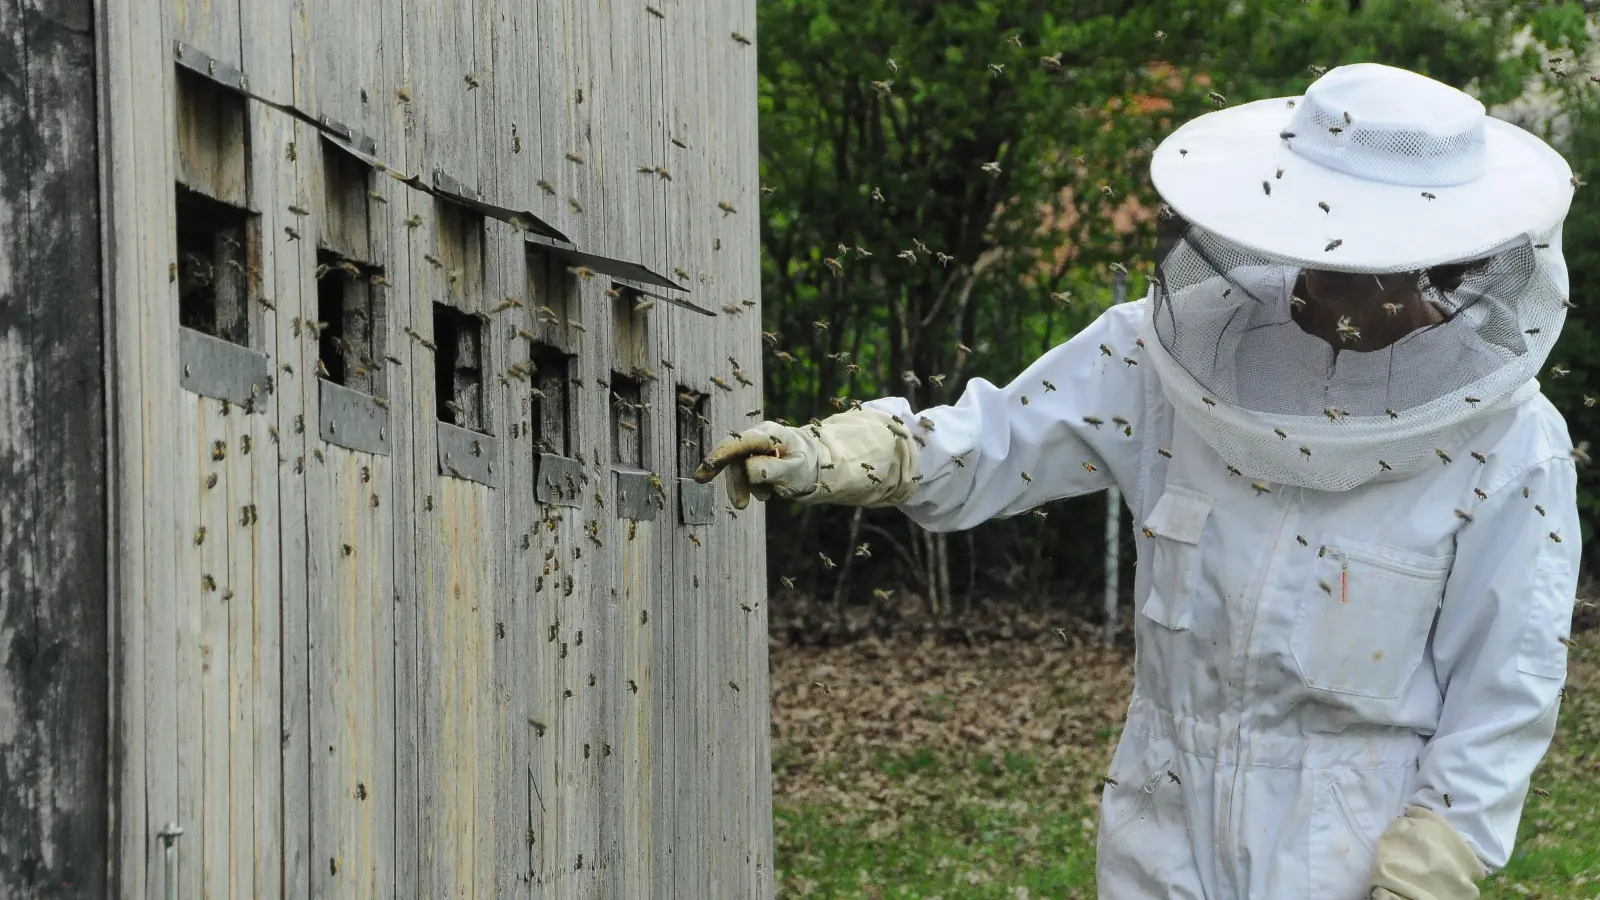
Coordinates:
1229 838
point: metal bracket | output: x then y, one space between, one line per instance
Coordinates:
191 58
635 495
213 367
697 503
559 481
347 135
468 454
449 184
352 419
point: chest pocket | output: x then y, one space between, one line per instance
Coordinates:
1364 618
1174 528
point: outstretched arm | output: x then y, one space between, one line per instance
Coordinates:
1070 424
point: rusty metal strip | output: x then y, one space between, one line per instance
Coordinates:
468 454
352 419
559 481
697 503
212 367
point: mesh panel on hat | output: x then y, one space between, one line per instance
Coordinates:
1290 406
1385 152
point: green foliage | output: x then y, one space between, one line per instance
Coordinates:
1068 99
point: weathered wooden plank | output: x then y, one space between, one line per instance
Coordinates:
53 468
238 603
211 25
139 201
292 264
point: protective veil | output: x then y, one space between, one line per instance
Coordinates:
1357 554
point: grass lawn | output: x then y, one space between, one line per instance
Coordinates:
918 771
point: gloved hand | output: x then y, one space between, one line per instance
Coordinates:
1422 857
856 458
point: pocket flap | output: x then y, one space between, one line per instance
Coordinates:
1180 515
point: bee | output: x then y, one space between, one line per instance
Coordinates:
1026 477
1443 456
960 460
834 266
1393 309
944 258
1174 776
575 158
1448 802
1482 460
1216 98
1266 188
1234 470
1208 401
574 204
1305 451
413 221
1391 413
1118 420
1347 331
1164 452
1385 466
1480 494
293 235
1428 196
1538 509
1472 401
1525 492
726 207
1089 467
996 69
299 210
1024 399
827 562
1130 360
1093 420
863 552
1260 488
877 195
936 380
1281 433
741 39
884 88
1555 536
1300 538
1463 515
1148 533
1326 587
909 256
544 185
1559 372
1105 350
696 539
1334 244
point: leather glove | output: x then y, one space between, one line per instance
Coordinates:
857 458
1422 857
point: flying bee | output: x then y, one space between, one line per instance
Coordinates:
1538 509
1333 245
1089 466
1555 536
1393 309
1482 460
1234 470
787 582
1281 433
575 158
1026 477
1428 196
1443 456
1130 360
827 562
1093 420
726 207
1164 452
1391 413
1260 487
1347 331
1105 350
1302 540
1305 451
1024 399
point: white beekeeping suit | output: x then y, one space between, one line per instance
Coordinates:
1357 526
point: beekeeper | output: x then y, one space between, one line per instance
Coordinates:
1357 527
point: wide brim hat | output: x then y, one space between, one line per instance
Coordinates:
1374 169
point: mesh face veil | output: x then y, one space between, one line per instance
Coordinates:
1414 364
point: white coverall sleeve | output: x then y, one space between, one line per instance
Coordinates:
1499 656
1002 451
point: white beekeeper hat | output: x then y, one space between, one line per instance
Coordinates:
1390 169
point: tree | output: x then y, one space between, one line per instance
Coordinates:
951 184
